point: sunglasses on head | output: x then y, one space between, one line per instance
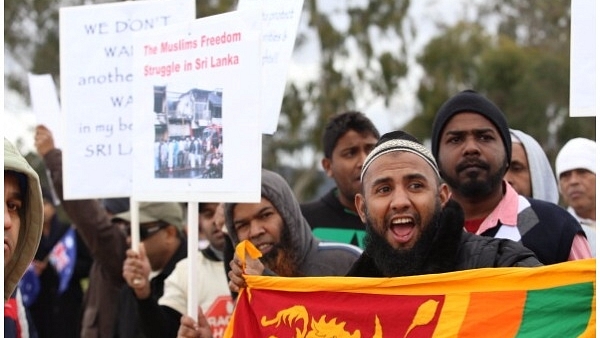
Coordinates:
146 229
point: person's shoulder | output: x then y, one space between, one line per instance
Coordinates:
330 259
307 207
550 211
316 209
318 203
482 251
477 243
339 248
470 239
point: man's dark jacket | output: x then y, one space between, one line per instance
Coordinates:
453 249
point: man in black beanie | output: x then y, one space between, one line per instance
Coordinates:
472 146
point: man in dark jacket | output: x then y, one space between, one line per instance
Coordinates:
413 228
471 143
162 245
160 317
347 139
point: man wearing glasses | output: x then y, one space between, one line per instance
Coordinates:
162 245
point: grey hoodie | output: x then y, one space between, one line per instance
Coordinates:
315 258
30 231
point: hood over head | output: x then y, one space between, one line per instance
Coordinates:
31 226
278 192
540 170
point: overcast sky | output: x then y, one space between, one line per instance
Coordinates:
19 120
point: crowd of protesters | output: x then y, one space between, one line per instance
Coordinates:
413 210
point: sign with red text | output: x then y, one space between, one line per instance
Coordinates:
218 315
96 58
197 111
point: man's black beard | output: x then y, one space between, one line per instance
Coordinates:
474 188
282 257
402 262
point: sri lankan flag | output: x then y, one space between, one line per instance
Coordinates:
550 301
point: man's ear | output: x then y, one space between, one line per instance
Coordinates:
359 202
326 164
444 193
172 230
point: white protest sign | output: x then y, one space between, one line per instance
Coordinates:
96 56
279 25
44 101
583 58
197 111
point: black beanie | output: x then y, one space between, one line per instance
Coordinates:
470 101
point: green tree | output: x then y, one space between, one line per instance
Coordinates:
353 65
451 62
523 67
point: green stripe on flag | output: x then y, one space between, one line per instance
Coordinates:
557 312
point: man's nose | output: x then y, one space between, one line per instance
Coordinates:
256 228
7 219
471 146
362 156
572 178
400 200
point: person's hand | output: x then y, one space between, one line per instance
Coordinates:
236 278
136 272
189 329
44 142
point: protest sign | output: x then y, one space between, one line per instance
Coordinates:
44 101
197 111
96 55
583 58
279 22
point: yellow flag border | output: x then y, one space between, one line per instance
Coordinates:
476 280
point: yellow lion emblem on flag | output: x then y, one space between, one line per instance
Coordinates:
322 328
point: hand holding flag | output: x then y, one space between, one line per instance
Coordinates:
245 262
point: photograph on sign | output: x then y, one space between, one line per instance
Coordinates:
197 111
188 133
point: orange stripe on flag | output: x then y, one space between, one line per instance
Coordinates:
497 312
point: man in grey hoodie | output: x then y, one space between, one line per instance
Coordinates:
23 223
276 227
